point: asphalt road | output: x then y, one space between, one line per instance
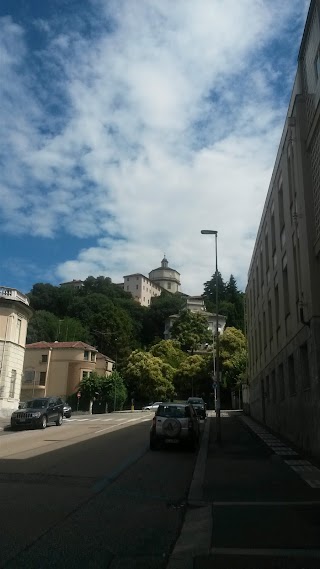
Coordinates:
90 494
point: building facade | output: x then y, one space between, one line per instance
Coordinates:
165 277
283 290
141 288
57 368
14 316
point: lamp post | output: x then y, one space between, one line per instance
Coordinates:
216 366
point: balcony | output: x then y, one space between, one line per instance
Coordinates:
13 294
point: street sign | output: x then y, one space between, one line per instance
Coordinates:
78 394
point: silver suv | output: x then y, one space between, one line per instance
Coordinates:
175 423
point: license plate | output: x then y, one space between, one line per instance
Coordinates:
172 441
22 420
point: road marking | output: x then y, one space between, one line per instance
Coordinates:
312 553
289 504
124 423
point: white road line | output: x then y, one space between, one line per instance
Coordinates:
310 553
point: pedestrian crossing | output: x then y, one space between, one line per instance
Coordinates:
303 468
100 419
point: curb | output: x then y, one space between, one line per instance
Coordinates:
195 536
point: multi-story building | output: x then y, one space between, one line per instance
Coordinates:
143 289
283 291
77 284
165 277
57 368
14 316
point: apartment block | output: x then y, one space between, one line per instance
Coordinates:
57 368
283 290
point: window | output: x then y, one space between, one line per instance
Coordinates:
93 357
281 208
305 370
264 329
44 358
169 286
85 374
286 300
273 386
277 305
317 65
18 330
266 244
28 376
267 387
292 377
137 286
13 382
281 382
270 320
127 278
273 233
42 379
86 355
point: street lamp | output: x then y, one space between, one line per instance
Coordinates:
216 359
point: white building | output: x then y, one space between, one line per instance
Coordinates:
141 288
14 316
165 277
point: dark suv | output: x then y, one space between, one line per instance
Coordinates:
199 406
37 413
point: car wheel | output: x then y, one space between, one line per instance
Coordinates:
59 420
44 422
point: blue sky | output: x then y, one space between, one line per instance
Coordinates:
127 127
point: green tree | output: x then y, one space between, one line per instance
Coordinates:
231 300
92 386
169 351
43 326
116 392
193 376
233 355
155 317
191 330
148 377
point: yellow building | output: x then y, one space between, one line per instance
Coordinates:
56 368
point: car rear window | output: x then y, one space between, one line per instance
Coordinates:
195 401
173 411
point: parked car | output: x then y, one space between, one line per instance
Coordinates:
38 413
199 406
152 406
67 410
175 423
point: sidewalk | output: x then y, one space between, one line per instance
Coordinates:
259 506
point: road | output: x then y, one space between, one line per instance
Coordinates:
90 494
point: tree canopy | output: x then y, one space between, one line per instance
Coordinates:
191 330
231 300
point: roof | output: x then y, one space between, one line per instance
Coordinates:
55 345
102 356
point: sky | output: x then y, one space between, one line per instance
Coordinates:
127 126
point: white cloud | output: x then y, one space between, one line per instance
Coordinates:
165 126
